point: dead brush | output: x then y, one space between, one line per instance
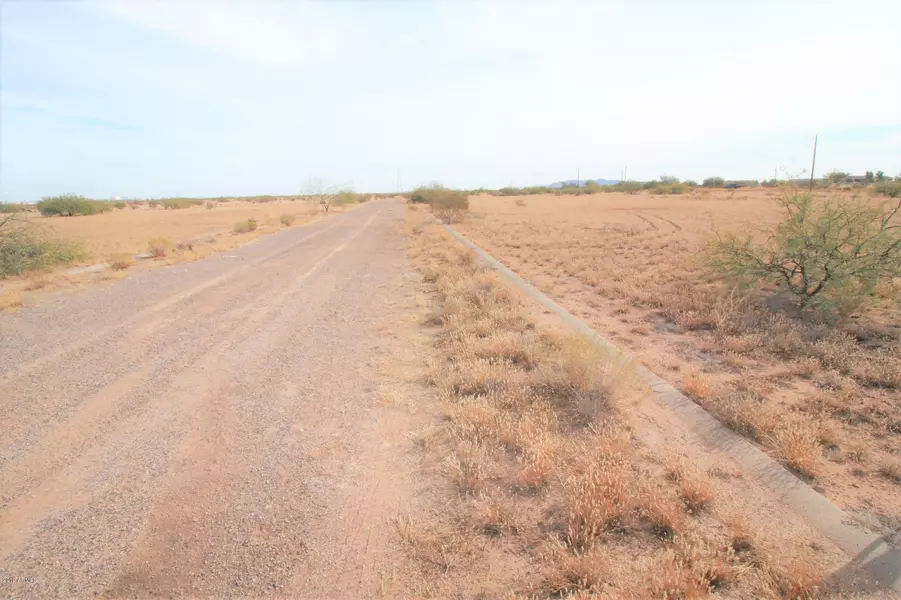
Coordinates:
695 486
698 386
598 501
494 516
692 569
480 377
519 430
796 441
470 466
538 463
782 574
891 470
121 261
432 543
571 572
745 413
474 420
660 510
581 374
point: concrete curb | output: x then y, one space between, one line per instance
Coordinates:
882 561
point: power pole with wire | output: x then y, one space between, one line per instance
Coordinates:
813 162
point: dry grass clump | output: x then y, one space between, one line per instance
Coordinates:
432 542
159 247
692 568
245 226
597 502
287 219
695 486
534 443
573 572
698 386
121 261
891 470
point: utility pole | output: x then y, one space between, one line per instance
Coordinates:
626 174
813 163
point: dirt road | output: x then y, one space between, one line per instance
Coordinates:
205 429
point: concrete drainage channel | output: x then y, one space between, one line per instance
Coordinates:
868 550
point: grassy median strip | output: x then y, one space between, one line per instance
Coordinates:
541 465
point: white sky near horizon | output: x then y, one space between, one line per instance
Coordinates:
154 99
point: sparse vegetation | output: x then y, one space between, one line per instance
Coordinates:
819 393
714 182
536 448
287 219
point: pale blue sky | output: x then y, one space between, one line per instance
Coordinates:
150 99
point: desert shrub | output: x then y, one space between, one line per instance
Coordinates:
180 203
670 188
287 219
668 179
68 205
159 246
537 189
347 197
691 183
892 189
714 182
7 208
23 250
510 191
649 185
448 205
119 204
828 253
245 226
629 187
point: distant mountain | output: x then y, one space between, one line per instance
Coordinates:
573 182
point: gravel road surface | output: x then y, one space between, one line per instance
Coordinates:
202 429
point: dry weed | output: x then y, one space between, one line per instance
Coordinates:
432 543
121 261
470 466
891 470
695 485
580 571
598 501
698 386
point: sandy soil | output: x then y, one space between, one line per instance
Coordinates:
128 230
625 263
214 428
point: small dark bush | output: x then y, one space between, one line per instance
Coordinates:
892 189
714 182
